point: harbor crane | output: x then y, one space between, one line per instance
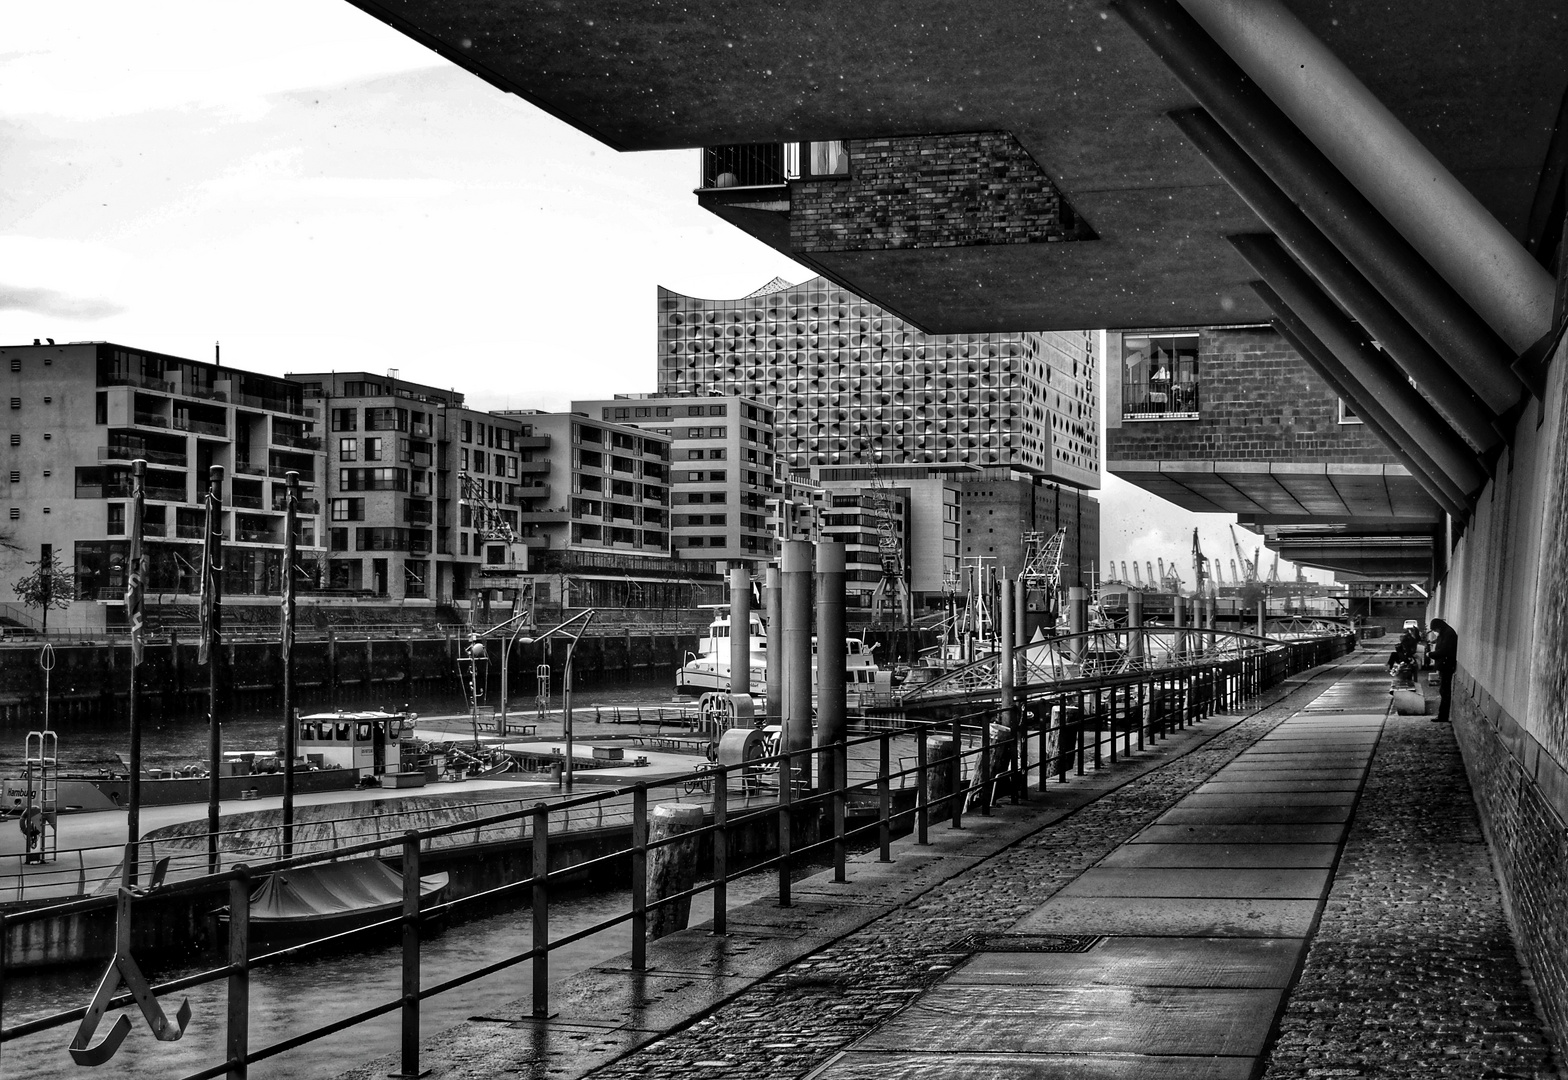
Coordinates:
1274 571
1249 568
1042 574
892 592
493 525
1200 564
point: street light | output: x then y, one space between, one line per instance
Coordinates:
517 623
583 617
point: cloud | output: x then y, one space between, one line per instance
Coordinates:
53 302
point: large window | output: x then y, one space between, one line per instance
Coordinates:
1159 376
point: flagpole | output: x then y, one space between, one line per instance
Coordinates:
290 722
212 648
133 616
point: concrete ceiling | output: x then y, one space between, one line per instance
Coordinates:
1480 84
1335 491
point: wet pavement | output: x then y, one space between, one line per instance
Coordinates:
1300 890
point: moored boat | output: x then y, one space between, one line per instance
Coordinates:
306 903
709 669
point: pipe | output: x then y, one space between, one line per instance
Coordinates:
1322 360
773 598
1329 201
1343 282
795 602
832 644
1399 176
1411 412
740 631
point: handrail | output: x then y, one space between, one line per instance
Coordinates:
1069 723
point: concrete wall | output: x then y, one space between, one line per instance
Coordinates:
1504 594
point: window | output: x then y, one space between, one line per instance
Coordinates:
337 539
466 430
348 449
696 410
694 478
717 432
694 433
372 449
345 419
348 509
1160 377
717 476
1347 413
116 519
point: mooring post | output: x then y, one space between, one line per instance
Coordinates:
541 910
672 866
721 849
238 1041
922 788
410 1017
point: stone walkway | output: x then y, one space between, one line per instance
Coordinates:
1313 836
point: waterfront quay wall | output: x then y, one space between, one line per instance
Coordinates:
90 680
186 925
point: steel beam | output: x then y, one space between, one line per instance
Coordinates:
1322 360
1409 187
1414 355
1329 201
1411 412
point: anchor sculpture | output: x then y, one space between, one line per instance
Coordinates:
123 968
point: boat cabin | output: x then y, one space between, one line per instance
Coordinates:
365 741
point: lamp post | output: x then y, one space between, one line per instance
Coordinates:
583 617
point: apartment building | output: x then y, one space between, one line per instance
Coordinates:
81 413
721 470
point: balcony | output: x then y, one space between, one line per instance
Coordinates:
201 427
533 442
744 165
147 419
144 382
281 405
533 468
558 516
303 506
281 472
248 502
249 468
131 453
419 431
299 442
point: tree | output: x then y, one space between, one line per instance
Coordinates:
49 585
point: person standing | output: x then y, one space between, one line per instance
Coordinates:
1445 656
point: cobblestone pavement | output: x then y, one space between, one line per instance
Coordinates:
795 1021
1413 971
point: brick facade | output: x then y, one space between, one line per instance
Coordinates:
1522 793
996 514
1259 402
929 192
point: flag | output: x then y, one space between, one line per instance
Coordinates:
209 583
136 570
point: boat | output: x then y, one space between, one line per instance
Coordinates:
337 751
708 670
306 903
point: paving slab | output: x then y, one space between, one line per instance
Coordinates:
1191 813
1230 855
1240 834
1271 797
1144 961
1170 916
1200 882
1093 1019
902 1065
1278 786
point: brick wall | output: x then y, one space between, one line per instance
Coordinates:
1522 794
1259 401
995 514
932 191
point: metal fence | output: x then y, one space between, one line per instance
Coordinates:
1069 729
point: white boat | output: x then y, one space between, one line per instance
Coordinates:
708 670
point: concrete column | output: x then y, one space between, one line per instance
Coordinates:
740 631
1004 665
773 596
1135 622
831 635
1431 209
1262 615
941 777
795 641
1179 621
1077 609
1021 612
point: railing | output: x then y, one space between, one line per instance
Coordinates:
983 759
301 442
249 502
201 427
145 383
127 453
306 476
146 419
744 165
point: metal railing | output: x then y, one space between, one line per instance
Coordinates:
988 760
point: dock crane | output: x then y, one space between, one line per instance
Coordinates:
1274 571
1249 568
493 524
1137 581
1200 569
1042 576
892 591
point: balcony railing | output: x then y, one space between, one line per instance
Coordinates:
161 385
147 419
201 427
744 165
250 468
131 453
248 502
300 442
306 476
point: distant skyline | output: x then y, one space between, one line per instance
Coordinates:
318 192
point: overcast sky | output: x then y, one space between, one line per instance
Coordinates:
317 192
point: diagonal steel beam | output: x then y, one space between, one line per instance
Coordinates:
1321 360
1331 202
1342 281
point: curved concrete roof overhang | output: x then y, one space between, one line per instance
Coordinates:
1479 84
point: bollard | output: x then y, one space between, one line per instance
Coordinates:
884 800
672 866
940 777
721 850
239 971
640 877
785 784
409 1026
541 911
922 792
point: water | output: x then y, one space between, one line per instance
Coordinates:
181 739
290 998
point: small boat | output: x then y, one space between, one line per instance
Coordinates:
306 903
709 669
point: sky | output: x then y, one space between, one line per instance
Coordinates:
315 191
